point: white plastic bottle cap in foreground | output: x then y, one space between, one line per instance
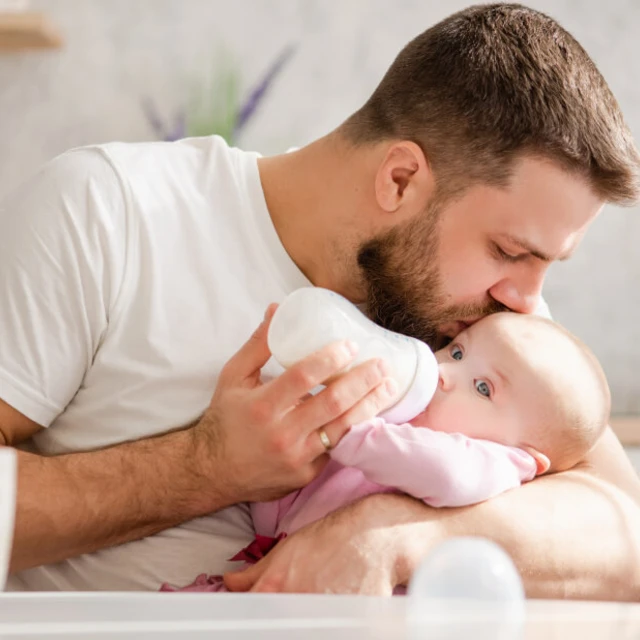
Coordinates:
467 587
311 318
7 508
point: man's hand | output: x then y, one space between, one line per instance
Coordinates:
261 439
328 556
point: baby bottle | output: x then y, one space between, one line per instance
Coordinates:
311 318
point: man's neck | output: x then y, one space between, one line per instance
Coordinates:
313 198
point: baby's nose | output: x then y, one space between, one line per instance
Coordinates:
445 380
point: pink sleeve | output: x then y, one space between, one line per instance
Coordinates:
442 469
267 516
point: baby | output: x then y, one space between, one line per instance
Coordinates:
518 396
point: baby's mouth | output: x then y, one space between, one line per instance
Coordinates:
421 420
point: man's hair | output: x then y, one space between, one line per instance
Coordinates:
492 83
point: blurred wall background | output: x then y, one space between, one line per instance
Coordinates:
118 53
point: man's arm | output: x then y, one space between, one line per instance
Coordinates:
73 504
571 535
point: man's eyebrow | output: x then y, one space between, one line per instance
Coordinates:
535 251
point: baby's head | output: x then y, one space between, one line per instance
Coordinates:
523 381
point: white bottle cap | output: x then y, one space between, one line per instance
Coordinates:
421 389
466 588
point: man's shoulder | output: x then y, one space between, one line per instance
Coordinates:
76 185
188 151
77 165
190 167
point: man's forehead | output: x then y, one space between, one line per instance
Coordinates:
544 204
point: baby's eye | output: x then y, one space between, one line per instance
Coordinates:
483 388
456 352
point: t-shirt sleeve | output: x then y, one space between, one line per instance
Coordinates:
61 258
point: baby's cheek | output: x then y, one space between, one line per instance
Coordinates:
440 415
458 415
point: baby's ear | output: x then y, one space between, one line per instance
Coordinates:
542 462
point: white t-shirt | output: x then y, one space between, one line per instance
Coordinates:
129 275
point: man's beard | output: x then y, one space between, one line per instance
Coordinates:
404 285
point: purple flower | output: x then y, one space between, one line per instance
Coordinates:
257 94
178 128
169 134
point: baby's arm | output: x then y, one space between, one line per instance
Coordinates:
442 469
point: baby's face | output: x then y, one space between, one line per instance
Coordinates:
485 390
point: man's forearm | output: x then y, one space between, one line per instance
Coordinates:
573 535
77 503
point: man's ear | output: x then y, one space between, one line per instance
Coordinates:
542 462
404 181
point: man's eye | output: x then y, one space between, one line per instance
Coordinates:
483 388
456 352
504 255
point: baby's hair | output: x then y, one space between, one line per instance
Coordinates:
571 426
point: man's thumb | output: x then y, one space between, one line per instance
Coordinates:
241 580
254 353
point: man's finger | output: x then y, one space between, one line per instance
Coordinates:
378 399
370 406
243 579
254 353
342 397
294 384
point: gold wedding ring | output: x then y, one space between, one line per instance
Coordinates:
324 438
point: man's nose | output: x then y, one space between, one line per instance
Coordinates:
521 293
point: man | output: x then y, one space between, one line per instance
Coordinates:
132 273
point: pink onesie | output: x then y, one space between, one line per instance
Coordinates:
442 469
